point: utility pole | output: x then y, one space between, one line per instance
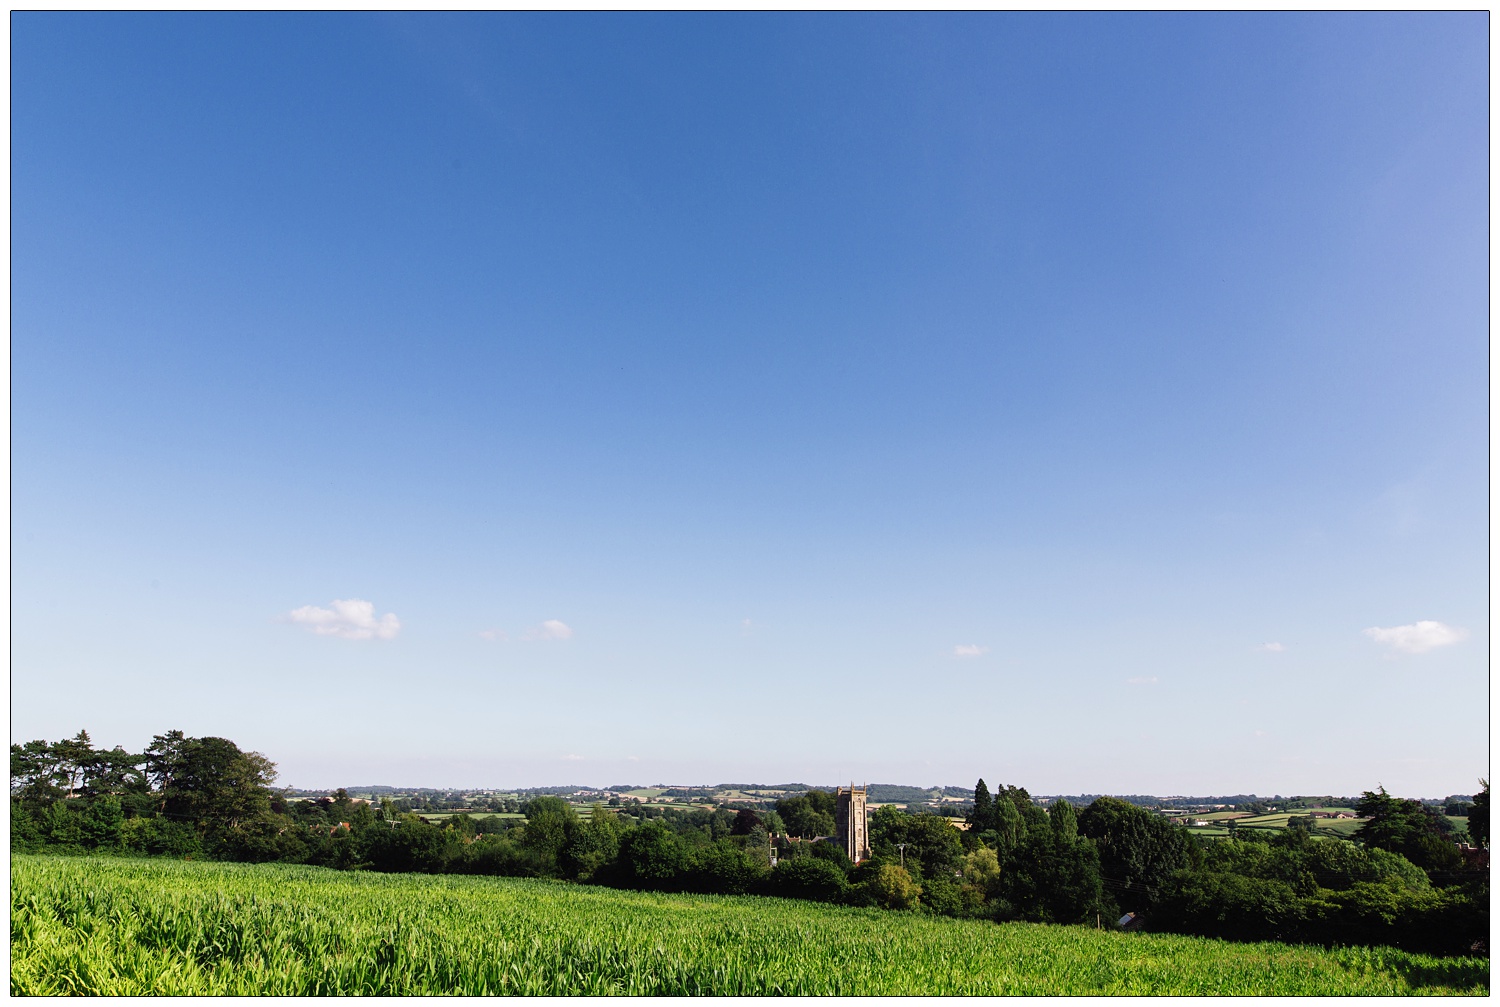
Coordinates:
902 847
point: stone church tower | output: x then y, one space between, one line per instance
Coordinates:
854 832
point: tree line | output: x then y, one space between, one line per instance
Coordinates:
1400 882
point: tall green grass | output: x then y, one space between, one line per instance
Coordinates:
116 926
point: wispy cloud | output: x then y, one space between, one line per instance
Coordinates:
573 758
351 619
494 635
1271 648
969 650
1142 680
1417 637
551 629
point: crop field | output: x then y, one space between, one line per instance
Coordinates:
1339 826
1209 830
1218 822
114 926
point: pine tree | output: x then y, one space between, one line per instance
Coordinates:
983 815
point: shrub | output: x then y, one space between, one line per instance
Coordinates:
943 896
725 868
409 847
1232 906
159 837
809 878
494 855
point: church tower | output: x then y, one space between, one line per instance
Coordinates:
854 833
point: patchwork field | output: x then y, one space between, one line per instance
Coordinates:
108 926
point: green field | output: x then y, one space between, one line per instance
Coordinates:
113 926
1219 822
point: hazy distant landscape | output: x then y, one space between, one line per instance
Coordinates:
1209 815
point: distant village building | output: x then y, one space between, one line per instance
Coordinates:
854 831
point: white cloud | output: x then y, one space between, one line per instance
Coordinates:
552 629
352 619
969 650
494 635
1417 637
1273 648
573 758
1142 680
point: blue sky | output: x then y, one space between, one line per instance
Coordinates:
1087 402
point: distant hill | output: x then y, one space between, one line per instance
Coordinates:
886 793
879 793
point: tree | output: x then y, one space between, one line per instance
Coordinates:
893 888
833 853
41 772
36 774
982 868
933 846
591 844
808 815
1051 879
745 822
982 815
1064 821
651 856
208 781
1008 824
1407 827
823 802
549 823
72 755
1479 815
1138 850
113 771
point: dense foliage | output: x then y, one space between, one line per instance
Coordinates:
106 926
1401 883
